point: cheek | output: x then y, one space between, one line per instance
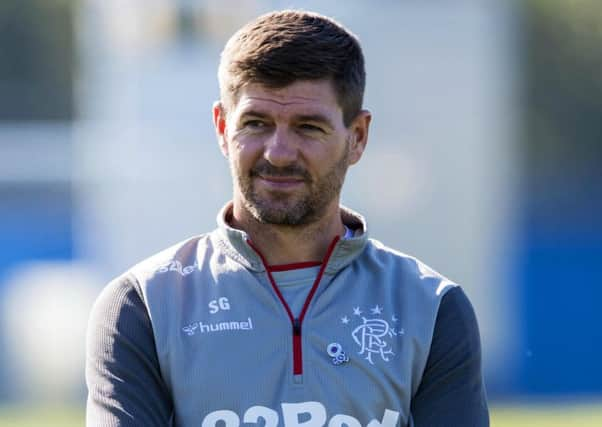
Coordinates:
333 156
243 156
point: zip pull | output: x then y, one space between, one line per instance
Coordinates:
297 327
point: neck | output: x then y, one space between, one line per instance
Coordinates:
281 244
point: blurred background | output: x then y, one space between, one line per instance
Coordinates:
483 161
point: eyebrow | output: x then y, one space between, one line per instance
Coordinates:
317 118
253 113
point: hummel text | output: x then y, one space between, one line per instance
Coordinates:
200 327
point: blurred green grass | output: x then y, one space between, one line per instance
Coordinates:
548 415
49 416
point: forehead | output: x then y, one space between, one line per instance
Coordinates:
300 97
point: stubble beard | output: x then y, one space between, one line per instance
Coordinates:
286 209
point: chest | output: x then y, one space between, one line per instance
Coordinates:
228 354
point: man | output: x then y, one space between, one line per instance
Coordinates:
286 314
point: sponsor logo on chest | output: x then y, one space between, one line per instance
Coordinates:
301 414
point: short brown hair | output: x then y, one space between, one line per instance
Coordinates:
282 47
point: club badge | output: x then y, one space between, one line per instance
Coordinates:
375 333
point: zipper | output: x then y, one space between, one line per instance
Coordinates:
297 353
297 322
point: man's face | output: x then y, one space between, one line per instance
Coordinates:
288 151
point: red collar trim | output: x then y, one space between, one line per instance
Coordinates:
293 266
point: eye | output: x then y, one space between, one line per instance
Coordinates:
310 127
254 124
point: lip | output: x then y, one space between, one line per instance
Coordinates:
281 182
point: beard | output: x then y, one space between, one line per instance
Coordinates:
297 208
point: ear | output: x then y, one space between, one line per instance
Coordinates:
219 121
359 135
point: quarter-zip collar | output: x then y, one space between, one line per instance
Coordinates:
235 243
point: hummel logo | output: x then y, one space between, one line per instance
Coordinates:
190 329
202 328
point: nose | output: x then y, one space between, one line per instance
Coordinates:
280 149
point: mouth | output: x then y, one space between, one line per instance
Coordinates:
281 182
273 178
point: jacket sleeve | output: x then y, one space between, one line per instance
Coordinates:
125 387
452 392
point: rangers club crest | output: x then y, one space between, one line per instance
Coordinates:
373 332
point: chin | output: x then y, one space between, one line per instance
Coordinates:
289 216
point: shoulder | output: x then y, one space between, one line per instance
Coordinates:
177 261
119 296
410 271
180 258
120 299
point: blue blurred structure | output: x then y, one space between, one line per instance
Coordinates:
560 262
35 224
561 294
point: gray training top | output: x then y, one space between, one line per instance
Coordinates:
202 335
